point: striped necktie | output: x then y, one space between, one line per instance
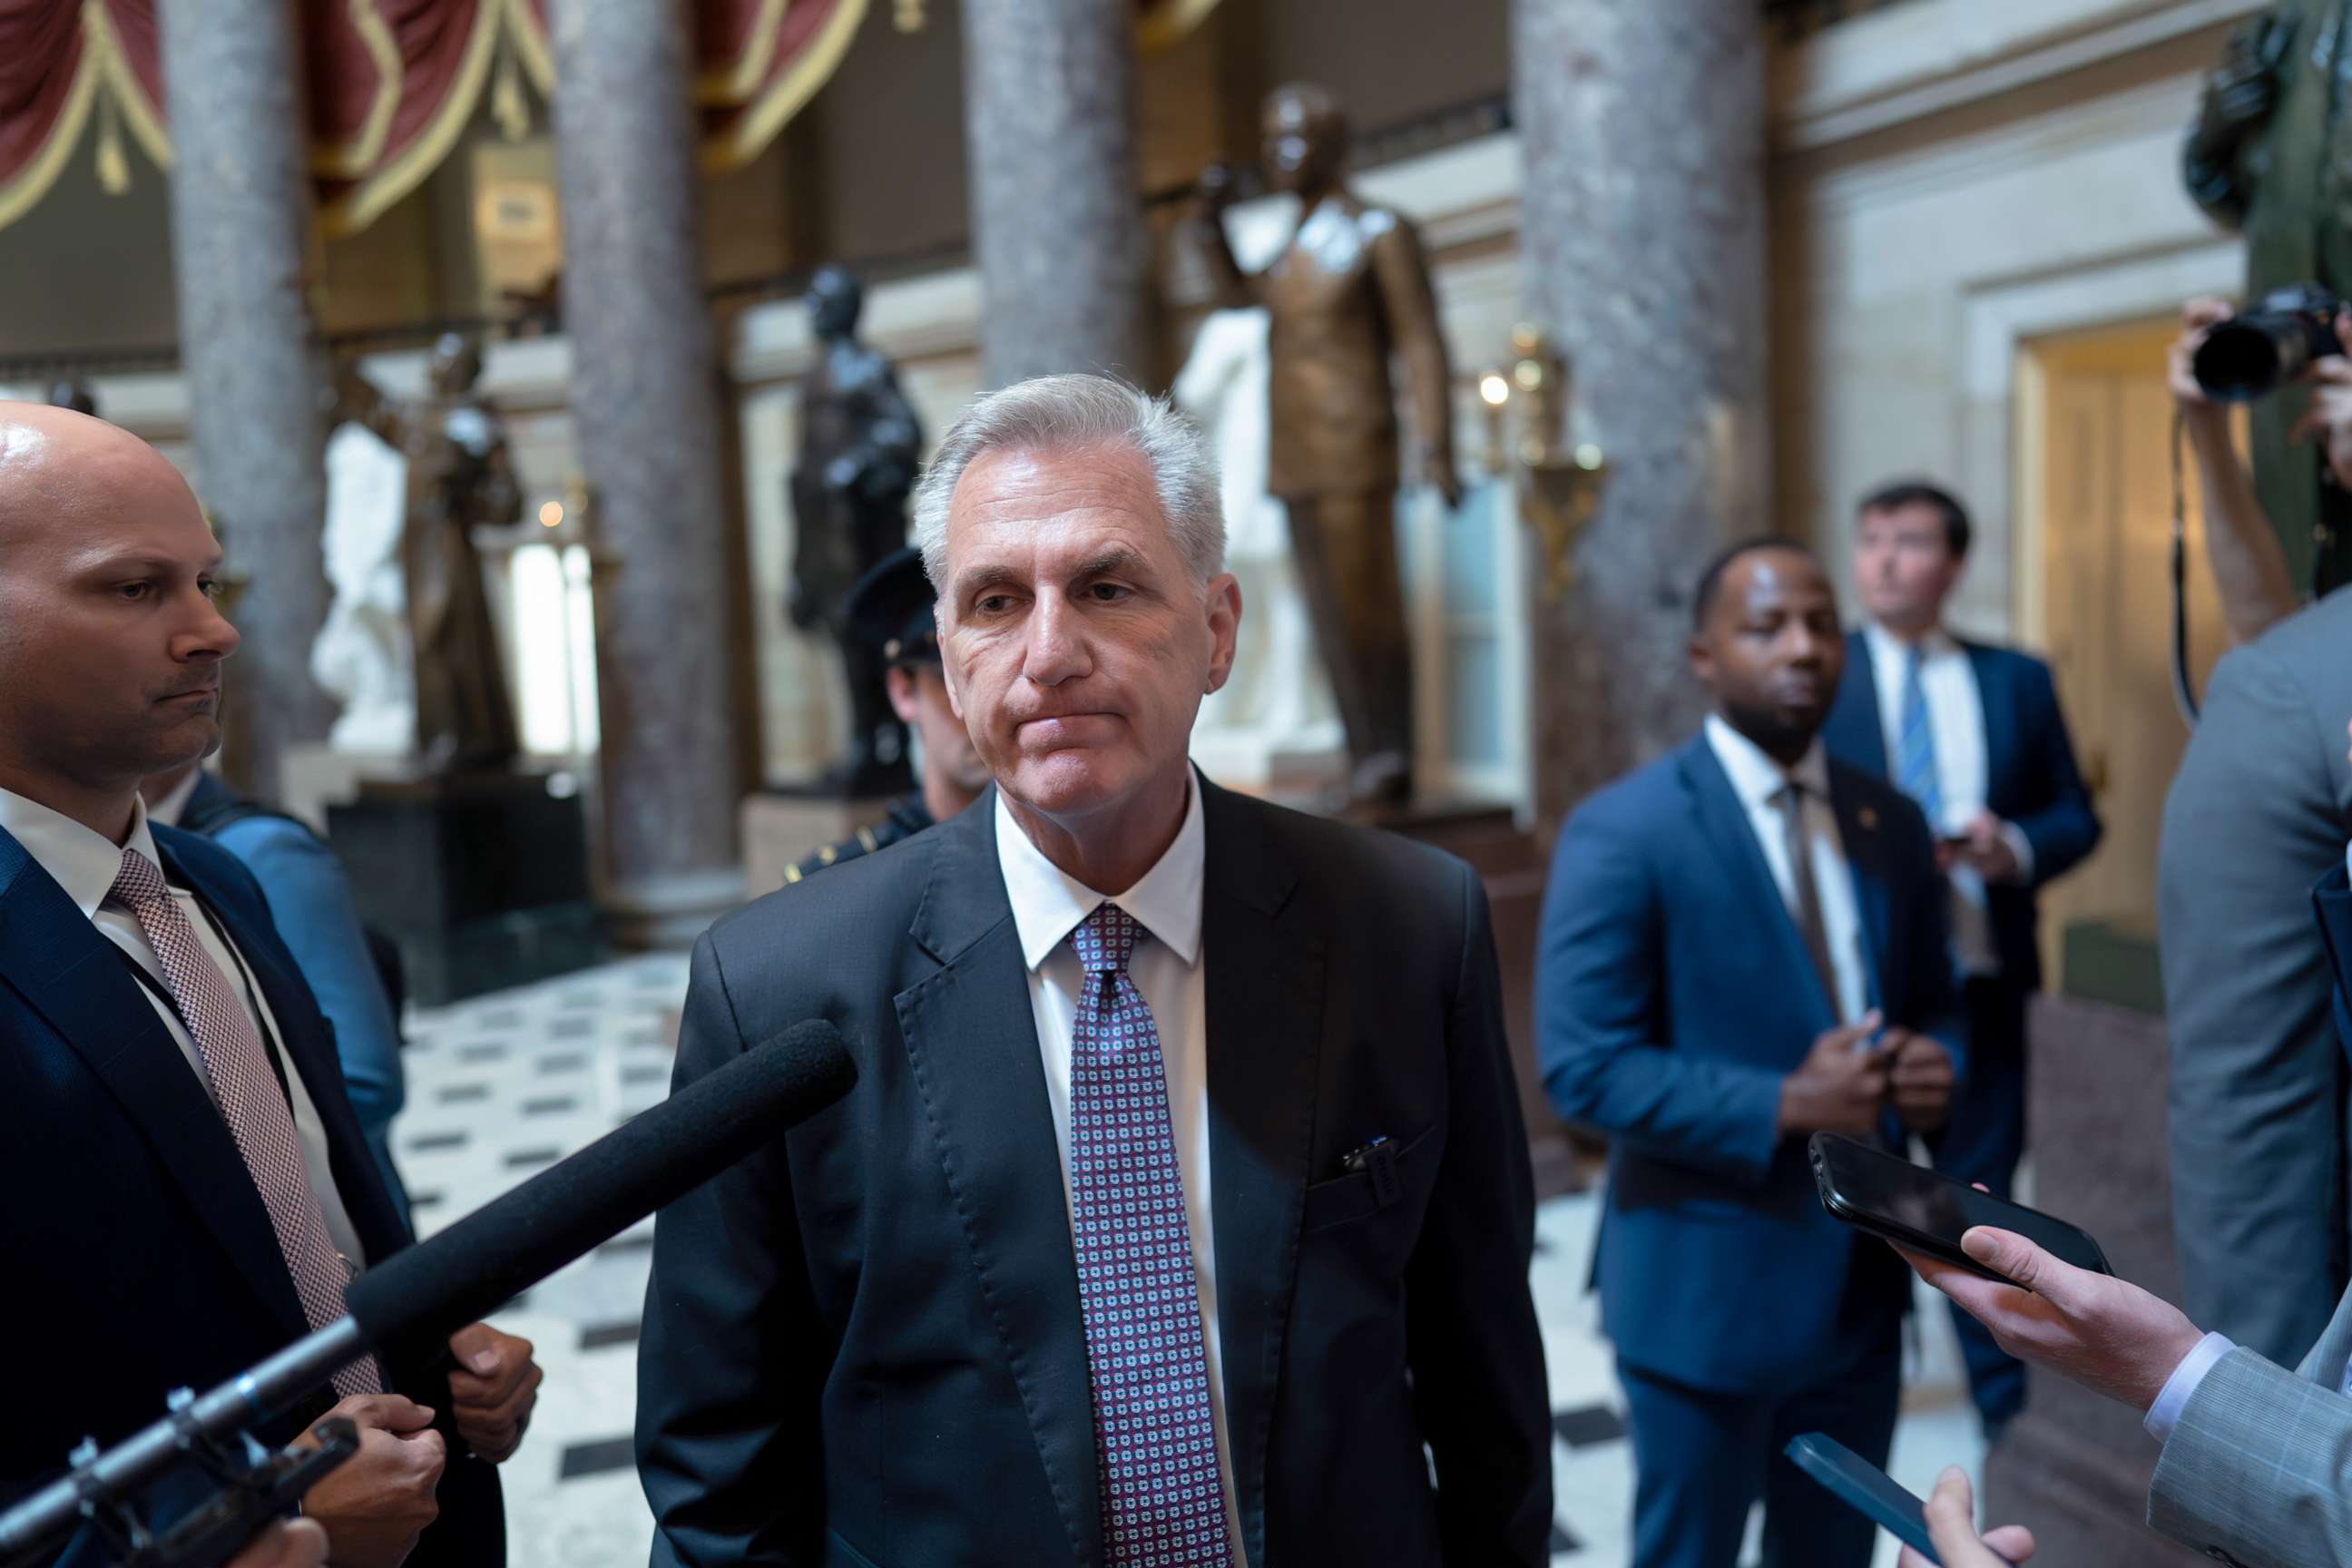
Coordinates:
259 1120
1916 754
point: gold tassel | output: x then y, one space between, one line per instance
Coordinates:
508 106
908 16
113 168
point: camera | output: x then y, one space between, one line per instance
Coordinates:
2254 353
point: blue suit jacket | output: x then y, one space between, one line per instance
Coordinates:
129 1204
2030 778
1673 995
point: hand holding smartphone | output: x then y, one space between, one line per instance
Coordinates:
1869 1491
1926 1211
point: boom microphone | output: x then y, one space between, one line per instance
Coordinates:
430 1291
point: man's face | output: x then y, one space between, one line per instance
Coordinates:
1301 151
1904 566
111 646
1076 647
919 696
1772 649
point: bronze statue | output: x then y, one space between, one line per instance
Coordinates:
459 479
2270 154
860 444
1349 291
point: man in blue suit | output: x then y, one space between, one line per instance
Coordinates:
184 1177
1744 943
1973 734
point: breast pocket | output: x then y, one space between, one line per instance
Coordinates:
1387 1180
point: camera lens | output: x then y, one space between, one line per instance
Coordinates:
2238 361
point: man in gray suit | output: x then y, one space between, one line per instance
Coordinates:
2261 807
2256 1470
2257 1463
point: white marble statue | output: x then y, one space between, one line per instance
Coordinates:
1275 721
361 657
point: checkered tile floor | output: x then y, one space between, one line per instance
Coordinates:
502 1086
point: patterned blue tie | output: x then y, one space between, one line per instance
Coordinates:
1916 760
1155 1442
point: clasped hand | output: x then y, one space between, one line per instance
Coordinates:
1846 1081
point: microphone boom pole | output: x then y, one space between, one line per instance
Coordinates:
430 1291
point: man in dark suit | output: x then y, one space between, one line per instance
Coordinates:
1743 943
1972 733
1187 1223
185 1178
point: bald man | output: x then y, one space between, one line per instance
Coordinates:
187 1187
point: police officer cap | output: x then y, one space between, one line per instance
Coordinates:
892 606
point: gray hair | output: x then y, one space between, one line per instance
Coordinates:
1065 411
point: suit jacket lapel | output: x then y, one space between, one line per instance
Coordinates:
1264 1001
1858 709
1865 853
312 1056
1999 723
77 980
971 1038
1726 824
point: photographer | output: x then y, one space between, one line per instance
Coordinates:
2249 565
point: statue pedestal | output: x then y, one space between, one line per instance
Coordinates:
312 778
2073 1466
481 877
784 827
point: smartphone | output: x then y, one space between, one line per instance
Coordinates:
1865 1488
1926 1211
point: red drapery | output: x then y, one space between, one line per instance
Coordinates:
756 62
59 60
391 84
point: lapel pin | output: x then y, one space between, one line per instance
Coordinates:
1869 819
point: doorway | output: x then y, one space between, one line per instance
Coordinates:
2094 438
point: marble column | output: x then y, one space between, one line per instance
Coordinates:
1644 255
646 403
240 235
1056 207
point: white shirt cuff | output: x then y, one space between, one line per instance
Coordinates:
2021 848
2165 1414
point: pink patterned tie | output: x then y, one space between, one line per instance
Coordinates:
250 1101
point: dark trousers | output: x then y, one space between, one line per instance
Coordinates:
1346 549
1702 1459
1982 1143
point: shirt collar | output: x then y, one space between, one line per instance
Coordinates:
1755 778
1048 904
82 861
1887 650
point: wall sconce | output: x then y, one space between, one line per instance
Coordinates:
1559 487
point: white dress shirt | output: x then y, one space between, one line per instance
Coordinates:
1756 779
1169 971
85 864
1955 721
